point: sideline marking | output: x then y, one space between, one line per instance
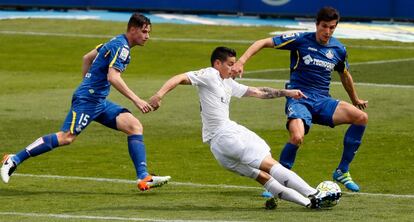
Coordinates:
191 184
244 42
111 218
332 83
351 64
133 181
203 40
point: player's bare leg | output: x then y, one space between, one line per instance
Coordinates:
130 125
348 114
297 134
41 145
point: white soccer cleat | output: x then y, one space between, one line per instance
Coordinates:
7 168
151 181
323 199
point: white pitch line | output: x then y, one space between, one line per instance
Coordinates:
266 71
381 195
227 41
55 34
263 80
351 64
189 184
110 218
110 36
383 61
380 47
333 83
132 181
230 41
199 40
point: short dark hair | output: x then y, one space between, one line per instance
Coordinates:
222 53
327 14
138 20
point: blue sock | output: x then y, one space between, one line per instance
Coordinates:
20 156
41 145
352 140
288 155
136 148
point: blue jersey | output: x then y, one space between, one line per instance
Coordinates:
311 63
115 54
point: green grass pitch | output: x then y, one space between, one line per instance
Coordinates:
38 74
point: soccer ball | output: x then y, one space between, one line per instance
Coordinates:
329 187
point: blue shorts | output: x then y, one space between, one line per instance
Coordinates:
84 111
316 108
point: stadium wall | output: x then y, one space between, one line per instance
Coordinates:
368 9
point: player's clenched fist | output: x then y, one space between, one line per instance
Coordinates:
155 102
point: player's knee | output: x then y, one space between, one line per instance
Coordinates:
362 119
66 138
365 118
128 124
297 139
135 128
263 177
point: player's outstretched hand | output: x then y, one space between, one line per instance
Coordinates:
143 106
155 102
361 104
295 93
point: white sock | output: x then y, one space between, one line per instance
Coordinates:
290 179
284 193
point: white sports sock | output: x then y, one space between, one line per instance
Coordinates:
290 179
284 193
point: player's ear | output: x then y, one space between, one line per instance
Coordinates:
134 29
217 63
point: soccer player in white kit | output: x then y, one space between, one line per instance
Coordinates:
235 147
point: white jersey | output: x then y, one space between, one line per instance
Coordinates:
215 94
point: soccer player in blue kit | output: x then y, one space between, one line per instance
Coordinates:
314 55
101 68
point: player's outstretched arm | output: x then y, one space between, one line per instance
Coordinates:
348 84
252 50
114 77
181 79
87 60
271 93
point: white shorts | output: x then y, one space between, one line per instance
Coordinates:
239 150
